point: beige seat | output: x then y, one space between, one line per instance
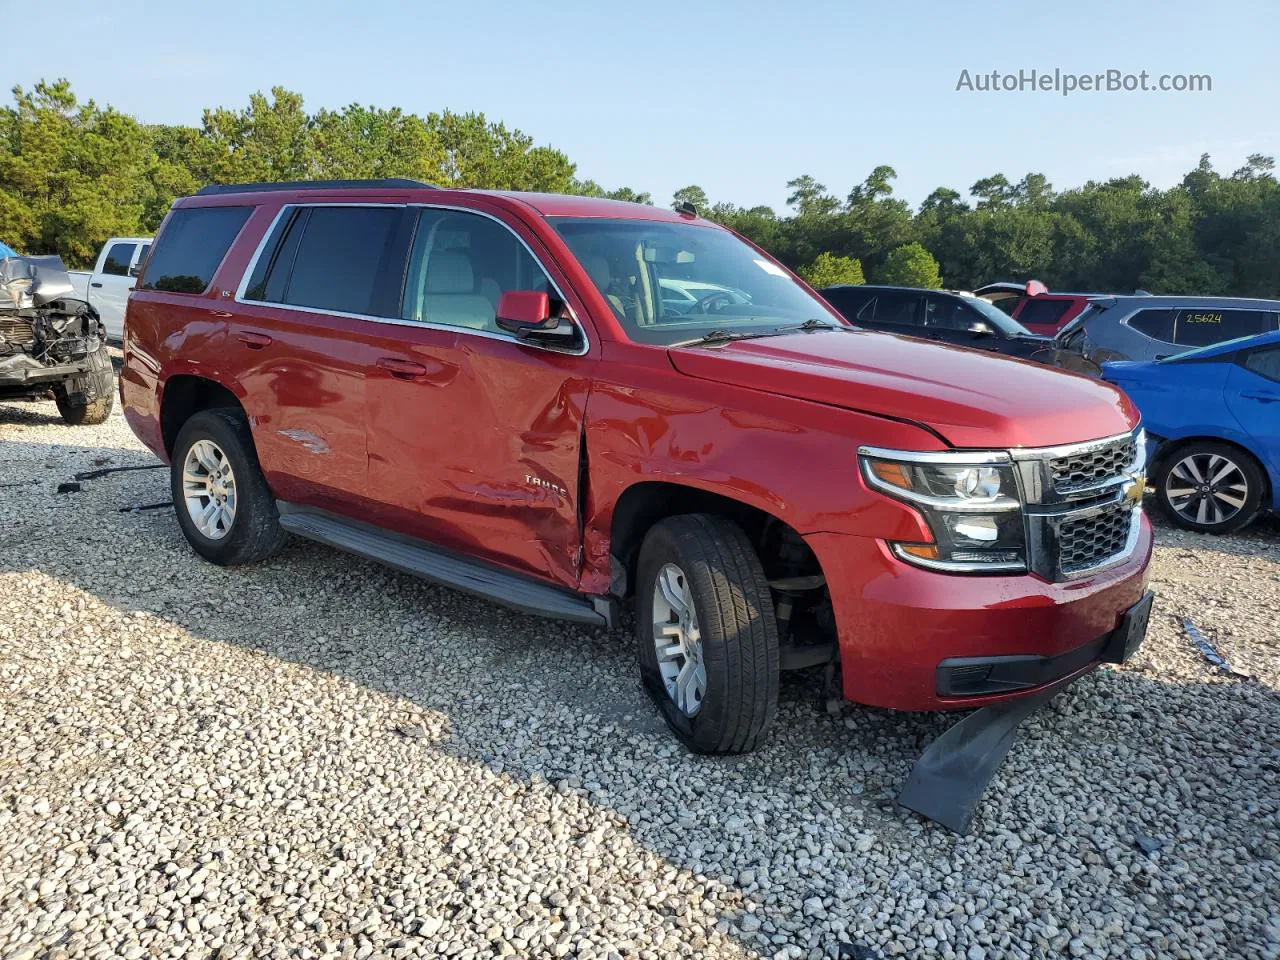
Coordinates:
597 267
450 297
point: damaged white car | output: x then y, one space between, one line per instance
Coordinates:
52 344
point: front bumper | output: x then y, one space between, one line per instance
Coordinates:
898 625
21 371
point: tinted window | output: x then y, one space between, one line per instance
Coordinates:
1156 324
898 309
1203 327
1043 311
193 243
142 254
1265 363
339 256
271 271
461 265
118 259
945 313
848 300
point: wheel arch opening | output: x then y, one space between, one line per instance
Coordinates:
186 395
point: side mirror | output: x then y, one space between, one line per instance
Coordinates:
135 270
981 328
527 314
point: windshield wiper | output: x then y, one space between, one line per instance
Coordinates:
726 336
721 335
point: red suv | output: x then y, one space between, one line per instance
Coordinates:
1033 306
564 404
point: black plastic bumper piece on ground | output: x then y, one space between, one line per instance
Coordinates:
952 774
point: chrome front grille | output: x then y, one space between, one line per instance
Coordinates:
1083 505
17 330
1085 542
1092 466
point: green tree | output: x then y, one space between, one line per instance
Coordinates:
827 270
692 194
910 265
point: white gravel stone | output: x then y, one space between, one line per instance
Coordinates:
318 757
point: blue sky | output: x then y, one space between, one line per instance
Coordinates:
738 96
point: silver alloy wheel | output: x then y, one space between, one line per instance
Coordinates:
677 640
209 489
1206 488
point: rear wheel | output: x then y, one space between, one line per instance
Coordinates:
222 501
707 633
88 399
1211 487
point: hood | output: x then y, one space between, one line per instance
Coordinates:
972 399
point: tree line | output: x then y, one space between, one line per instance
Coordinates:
73 173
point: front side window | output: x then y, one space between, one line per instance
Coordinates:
1203 327
192 245
732 286
118 259
461 265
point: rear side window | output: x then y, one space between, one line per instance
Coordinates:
895 309
340 252
848 300
1042 311
1265 363
1205 327
118 259
1156 324
194 242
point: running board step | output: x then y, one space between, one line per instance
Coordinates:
431 563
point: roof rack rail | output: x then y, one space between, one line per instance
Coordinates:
269 187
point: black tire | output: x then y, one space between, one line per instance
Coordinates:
99 383
255 532
1205 451
738 628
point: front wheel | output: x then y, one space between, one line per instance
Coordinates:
707 633
1210 487
87 400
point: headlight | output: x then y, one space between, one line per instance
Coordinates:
969 500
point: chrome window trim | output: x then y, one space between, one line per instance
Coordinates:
399 321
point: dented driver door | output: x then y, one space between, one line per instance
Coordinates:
474 439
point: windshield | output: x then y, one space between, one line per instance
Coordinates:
674 282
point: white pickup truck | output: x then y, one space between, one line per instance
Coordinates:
107 286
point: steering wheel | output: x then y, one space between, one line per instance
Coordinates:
704 303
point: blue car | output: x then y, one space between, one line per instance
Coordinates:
1213 421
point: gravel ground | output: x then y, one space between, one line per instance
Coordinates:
319 757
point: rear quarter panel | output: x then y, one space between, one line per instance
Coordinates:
174 334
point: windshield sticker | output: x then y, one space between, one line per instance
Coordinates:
771 268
